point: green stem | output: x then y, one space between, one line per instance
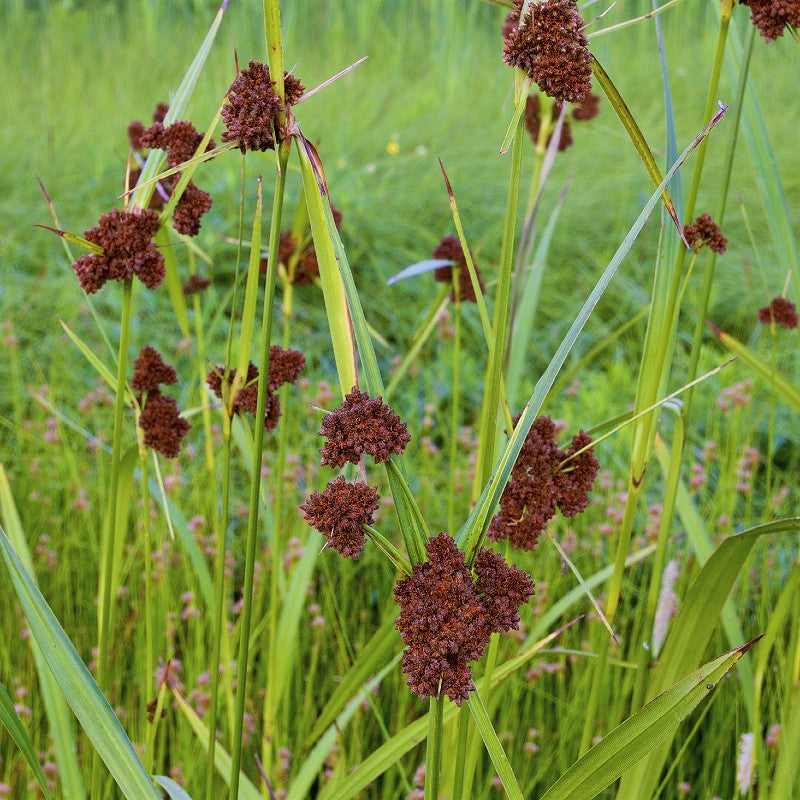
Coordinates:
491 396
255 477
464 718
711 259
433 752
149 660
455 402
109 540
220 618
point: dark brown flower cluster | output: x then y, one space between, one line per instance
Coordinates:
160 419
450 249
780 311
128 249
180 142
446 616
136 128
538 485
772 16
361 426
285 366
704 231
252 107
550 45
533 122
339 512
195 284
301 267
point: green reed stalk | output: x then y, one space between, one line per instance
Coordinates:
277 550
220 617
149 621
655 365
433 751
111 534
282 158
491 395
454 404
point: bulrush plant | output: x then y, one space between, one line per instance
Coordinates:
323 571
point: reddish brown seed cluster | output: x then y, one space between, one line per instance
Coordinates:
361 426
180 140
780 311
772 16
450 249
160 419
339 512
128 249
446 617
586 109
195 284
285 366
704 231
550 45
253 105
303 269
533 122
150 371
538 485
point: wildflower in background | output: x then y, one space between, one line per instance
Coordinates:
538 485
446 619
744 766
772 16
339 512
781 311
550 45
252 107
128 250
450 249
704 231
195 284
667 605
361 426
533 122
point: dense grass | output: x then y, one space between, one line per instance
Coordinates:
432 87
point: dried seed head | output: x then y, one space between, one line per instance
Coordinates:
537 486
533 122
446 619
190 208
163 426
781 311
128 249
180 140
252 107
195 284
339 512
285 366
550 45
450 248
150 371
772 16
361 426
704 231
586 109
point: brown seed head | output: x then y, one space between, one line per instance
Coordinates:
150 371
576 479
533 122
704 231
252 107
128 249
450 248
587 109
195 284
772 16
361 426
285 366
339 512
782 311
163 426
190 208
552 48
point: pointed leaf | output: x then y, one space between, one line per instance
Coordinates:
420 268
649 726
